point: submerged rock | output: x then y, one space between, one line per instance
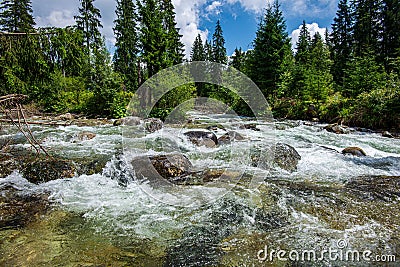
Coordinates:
355 151
384 188
174 168
202 138
153 125
251 126
17 207
48 169
337 129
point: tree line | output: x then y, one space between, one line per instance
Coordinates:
350 74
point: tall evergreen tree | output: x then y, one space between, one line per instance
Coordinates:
238 59
391 34
198 53
218 45
341 41
88 21
16 16
303 45
271 45
175 47
152 37
126 34
367 26
208 51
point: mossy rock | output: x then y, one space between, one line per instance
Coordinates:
48 169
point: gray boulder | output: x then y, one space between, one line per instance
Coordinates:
202 138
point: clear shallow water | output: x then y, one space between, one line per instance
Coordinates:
135 225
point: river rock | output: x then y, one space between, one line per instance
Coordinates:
65 117
48 169
312 112
384 188
17 207
7 165
387 134
282 155
286 157
337 129
202 138
84 136
251 126
173 167
229 137
152 124
127 121
355 151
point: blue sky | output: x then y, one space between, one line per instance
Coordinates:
239 18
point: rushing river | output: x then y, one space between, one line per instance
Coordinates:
332 201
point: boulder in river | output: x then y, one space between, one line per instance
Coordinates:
152 124
282 155
387 134
127 121
337 129
202 138
355 151
65 117
286 157
84 136
173 167
229 137
48 169
19 207
250 126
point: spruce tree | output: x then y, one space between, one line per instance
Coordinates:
341 41
175 47
16 16
88 21
367 26
126 35
303 45
152 37
391 34
238 59
198 53
218 45
271 46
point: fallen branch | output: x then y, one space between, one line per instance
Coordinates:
45 123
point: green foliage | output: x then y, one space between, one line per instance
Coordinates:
370 106
118 108
16 16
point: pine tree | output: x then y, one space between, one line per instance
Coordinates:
175 47
152 37
126 34
391 34
367 26
208 51
198 53
88 21
271 46
341 41
238 59
218 45
16 16
303 46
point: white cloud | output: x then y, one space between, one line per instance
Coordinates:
214 7
188 20
57 18
313 28
256 6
